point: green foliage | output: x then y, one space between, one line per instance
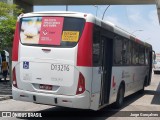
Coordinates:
8 17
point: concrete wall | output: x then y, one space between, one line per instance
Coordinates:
3 1
26 6
7 1
88 2
10 1
158 8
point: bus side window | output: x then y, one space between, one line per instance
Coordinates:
141 55
96 47
126 52
146 56
117 51
135 56
122 51
129 53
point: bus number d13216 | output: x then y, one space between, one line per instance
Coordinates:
58 67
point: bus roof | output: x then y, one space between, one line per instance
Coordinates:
122 32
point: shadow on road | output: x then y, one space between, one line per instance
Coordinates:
156 98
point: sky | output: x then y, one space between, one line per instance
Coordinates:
141 20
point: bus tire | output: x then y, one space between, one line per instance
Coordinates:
120 96
142 90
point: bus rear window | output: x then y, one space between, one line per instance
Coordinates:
51 31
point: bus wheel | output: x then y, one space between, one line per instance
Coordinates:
142 90
120 97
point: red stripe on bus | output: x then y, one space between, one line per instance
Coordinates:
15 43
84 56
113 82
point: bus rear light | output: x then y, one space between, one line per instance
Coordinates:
14 82
15 43
81 84
113 82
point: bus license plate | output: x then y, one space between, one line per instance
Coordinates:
45 87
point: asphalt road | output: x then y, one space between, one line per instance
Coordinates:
135 104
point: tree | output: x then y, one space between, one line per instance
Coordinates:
8 17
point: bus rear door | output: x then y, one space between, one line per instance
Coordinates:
106 62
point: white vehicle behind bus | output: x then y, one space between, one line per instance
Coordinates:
76 60
156 65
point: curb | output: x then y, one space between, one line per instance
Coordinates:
5 97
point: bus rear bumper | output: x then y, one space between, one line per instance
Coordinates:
77 101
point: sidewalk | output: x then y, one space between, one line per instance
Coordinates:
5 89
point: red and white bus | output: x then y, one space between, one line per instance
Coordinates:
76 60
